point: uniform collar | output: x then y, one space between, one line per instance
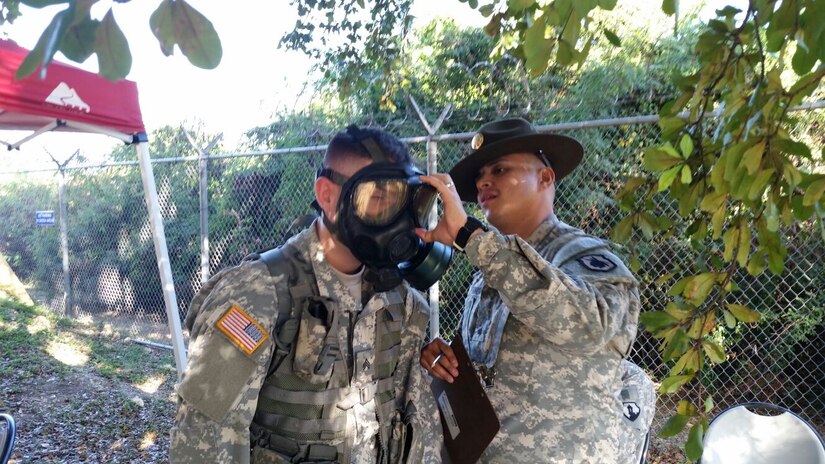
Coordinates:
548 228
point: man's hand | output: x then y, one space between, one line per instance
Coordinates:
439 360
454 216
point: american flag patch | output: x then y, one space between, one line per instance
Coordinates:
242 329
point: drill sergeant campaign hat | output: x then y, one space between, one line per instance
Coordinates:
516 135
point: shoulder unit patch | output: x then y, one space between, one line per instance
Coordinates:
598 263
242 329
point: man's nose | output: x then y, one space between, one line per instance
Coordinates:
482 181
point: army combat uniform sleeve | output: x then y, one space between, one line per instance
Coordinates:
230 346
580 299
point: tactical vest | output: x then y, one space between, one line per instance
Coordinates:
306 398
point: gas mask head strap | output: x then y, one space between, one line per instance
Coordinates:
368 143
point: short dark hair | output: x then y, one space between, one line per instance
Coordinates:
345 144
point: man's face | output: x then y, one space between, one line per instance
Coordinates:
509 189
378 200
331 192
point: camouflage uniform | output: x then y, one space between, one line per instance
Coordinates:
219 392
638 398
548 321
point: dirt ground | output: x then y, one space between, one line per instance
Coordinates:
83 417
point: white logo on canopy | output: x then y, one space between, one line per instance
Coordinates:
63 95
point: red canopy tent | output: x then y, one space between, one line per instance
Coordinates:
72 99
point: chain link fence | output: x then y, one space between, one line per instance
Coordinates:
253 198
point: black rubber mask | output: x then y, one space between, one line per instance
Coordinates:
379 209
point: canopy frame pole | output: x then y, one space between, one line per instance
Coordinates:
162 253
82 126
48 127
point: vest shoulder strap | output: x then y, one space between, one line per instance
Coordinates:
300 284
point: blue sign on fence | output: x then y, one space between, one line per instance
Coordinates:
44 218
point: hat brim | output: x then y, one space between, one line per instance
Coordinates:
564 154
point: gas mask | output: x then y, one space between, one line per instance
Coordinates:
378 210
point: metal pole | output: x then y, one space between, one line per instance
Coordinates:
432 167
435 292
68 304
204 215
203 190
170 300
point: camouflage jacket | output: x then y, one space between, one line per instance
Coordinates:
551 319
219 389
638 399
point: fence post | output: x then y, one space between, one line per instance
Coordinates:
203 191
432 167
68 302
63 213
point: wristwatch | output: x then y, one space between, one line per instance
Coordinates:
466 231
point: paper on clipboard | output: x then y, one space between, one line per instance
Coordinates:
468 419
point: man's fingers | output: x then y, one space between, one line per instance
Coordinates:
441 373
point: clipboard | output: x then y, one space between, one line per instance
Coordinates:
468 420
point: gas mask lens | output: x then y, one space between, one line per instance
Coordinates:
378 202
422 203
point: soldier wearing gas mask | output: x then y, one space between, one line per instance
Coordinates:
309 352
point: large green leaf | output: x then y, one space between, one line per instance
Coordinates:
713 201
655 320
658 160
47 45
667 177
686 146
673 383
514 6
622 230
699 287
813 193
673 425
565 53
79 41
113 55
744 313
714 351
176 22
676 346
693 447
197 37
537 48
752 158
162 23
42 3
759 183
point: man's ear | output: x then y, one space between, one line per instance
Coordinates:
547 176
325 195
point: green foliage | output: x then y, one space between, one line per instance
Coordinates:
9 11
739 179
29 249
175 22
26 332
19 336
352 39
74 32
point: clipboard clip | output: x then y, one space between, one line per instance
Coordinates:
487 375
